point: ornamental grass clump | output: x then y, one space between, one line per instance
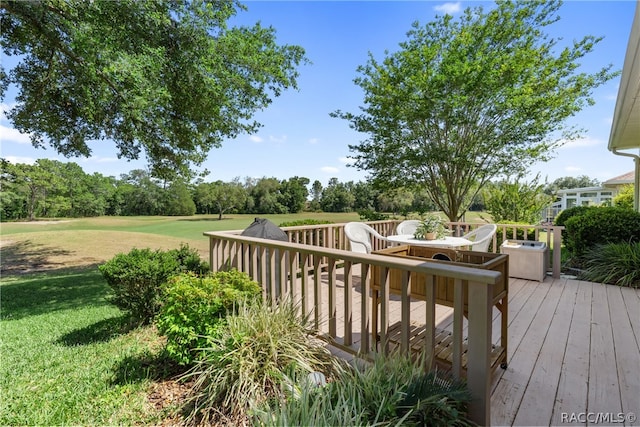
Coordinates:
392 390
613 263
261 354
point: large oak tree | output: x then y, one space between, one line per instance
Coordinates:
166 79
464 101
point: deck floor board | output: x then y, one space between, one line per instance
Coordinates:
573 348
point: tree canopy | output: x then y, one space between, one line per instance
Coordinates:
570 182
464 101
167 79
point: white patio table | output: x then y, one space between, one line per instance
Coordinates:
445 242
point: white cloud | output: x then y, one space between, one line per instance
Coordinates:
255 138
278 139
313 140
583 142
329 169
13 135
16 159
448 8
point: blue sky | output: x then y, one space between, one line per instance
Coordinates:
300 139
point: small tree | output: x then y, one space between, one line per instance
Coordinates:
462 102
516 201
624 198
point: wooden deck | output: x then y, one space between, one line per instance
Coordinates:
573 353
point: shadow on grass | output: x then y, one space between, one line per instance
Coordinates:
26 256
41 293
102 331
148 366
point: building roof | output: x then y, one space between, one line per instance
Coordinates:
626 178
625 129
580 189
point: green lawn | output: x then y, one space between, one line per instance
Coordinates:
181 227
67 355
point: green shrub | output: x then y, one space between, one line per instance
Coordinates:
613 263
601 225
257 356
194 308
391 391
372 215
300 222
136 278
624 198
562 218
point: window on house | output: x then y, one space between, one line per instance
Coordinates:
571 203
589 194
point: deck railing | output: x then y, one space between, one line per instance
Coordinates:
332 236
320 275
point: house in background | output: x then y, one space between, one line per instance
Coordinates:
593 196
587 196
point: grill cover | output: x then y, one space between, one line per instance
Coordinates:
265 229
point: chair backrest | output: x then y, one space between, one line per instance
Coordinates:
481 237
407 227
359 235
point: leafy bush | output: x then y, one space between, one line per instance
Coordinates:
613 263
136 278
601 225
562 217
194 308
299 222
371 215
256 356
624 198
391 391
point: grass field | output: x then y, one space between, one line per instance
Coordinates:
68 356
54 245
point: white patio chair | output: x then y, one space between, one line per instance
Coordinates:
407 227
481 237
359 235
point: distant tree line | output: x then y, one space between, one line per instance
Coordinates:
54 189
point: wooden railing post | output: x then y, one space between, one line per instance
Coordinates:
479 352
557 254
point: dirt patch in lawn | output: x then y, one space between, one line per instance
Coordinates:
33 252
